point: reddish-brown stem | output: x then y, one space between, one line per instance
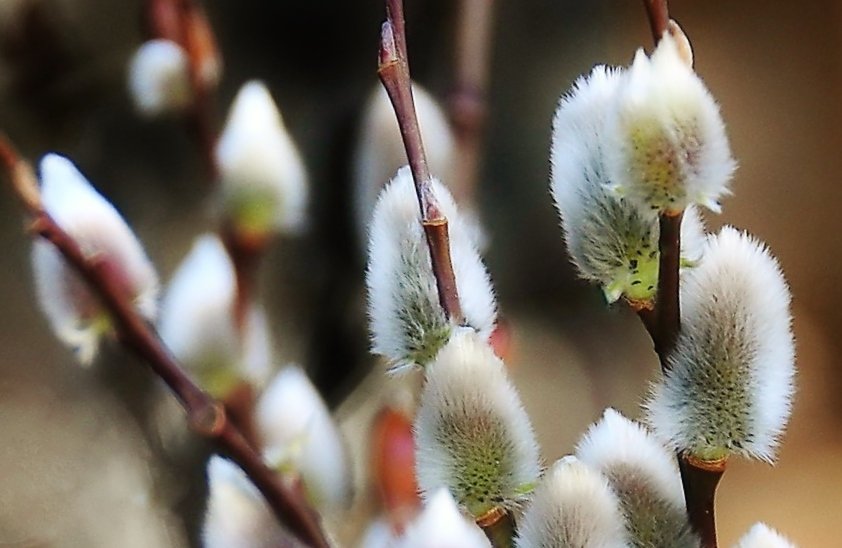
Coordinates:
467 101
206 416
700 480
668 317
185 23
659 17
500 531
393 70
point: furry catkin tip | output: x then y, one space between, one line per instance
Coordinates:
472 434
644 475
573 505
408 325
730 383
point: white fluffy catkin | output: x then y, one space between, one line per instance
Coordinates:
197 322
75 314
300 437
264 181
666 145
645 477
442 525
573 506
472 434
610 241
408 325
763 536
730 384
159 79
237 516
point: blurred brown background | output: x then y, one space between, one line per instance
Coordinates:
83 462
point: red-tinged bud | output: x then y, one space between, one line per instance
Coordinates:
393 463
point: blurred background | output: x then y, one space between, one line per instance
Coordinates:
84 458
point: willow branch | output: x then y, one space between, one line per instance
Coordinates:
468 98
393 69
185 23
667 305
699 479
500 531
659 17
206 416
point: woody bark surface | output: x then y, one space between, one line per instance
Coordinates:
206 416
393 70
699 479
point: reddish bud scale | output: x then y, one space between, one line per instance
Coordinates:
393 463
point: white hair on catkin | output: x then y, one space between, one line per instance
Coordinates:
573 505
441 524
644 475
75 314
730 383
159 78
300 436
472 433
667 146
237 516
264 183
408 325
763 536
610 241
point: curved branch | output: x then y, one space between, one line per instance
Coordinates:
206 416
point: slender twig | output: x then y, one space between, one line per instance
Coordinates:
699 479
393 70
185 23
500 531
467 101
666 300
659 17
206 416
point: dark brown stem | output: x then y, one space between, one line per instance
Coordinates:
667 301
700 480
393 70
467 101
206 416
663 322
185 23
500 530
659 17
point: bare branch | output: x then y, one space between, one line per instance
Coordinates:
206 416
393 70
659 17
699 479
